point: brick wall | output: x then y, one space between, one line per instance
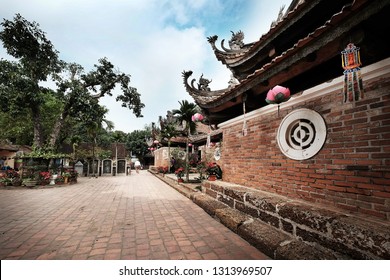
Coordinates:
161 157
350 172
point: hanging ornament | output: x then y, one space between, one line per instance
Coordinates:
197 117
353 84
277 95
244 127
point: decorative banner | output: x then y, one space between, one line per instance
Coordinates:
278 95
353 83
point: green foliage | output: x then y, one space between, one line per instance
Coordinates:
26 42
184 115
136 142
55 114
102 154
18 129
44 154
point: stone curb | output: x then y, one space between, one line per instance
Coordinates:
266 238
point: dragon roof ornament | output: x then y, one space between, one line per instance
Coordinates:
201 91
236 43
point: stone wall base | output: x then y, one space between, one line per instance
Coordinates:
284 228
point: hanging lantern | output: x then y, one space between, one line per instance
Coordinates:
353 84
197 117
156 142
277 95
189 145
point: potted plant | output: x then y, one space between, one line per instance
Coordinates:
201 169
10 178
5 181
59 180
73 177
44 177
32 179
66 176
163 169
16 181
214 171
179 174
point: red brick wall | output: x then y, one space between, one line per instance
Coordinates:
351 171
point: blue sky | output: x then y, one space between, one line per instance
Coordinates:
152 40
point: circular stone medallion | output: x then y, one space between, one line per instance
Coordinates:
301 134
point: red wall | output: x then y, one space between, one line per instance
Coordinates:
351 171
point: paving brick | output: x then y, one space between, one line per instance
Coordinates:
120 217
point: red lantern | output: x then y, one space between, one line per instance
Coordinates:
197 117
189 145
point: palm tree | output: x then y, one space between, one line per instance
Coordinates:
184 115
168 131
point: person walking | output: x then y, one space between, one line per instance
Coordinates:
173 161
137 166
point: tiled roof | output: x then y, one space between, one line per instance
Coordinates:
212 99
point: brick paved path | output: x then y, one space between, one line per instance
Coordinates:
133 217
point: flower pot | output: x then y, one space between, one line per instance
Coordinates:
53 179
30 183
17 184
212 177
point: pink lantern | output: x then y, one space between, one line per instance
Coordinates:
197 117
156 142
278 95
189 145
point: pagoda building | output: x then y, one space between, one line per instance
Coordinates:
305 123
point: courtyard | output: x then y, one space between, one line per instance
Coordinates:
136 217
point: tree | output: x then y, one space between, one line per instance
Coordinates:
136 142
77 91
168 131
19 81
184 115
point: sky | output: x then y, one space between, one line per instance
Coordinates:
152 40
